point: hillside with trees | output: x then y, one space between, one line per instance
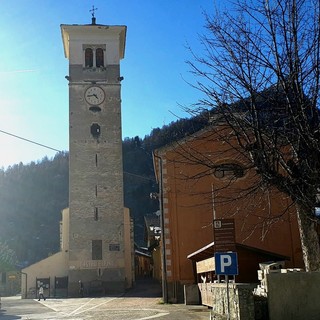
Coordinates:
33 195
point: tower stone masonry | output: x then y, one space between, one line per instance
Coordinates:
96 230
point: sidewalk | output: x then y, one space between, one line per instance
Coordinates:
148 292
145 287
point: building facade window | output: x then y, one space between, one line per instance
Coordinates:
95 109
99 58
114 247
228 171
95 131
89 58
96 214
94 55
96 249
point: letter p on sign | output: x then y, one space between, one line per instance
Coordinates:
226 263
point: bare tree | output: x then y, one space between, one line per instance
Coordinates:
8 258
260 72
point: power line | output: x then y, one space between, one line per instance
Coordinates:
139 176
24 139
42 145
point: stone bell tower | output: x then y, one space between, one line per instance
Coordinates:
96 225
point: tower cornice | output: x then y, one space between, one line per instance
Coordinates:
99 30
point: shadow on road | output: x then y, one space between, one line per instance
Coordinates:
3 316
145 287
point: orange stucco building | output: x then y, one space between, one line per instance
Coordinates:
205 177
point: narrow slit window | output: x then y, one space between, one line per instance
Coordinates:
96 214
96 190
96 160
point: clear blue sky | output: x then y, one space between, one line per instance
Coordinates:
34 92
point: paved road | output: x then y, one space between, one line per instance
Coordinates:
138 304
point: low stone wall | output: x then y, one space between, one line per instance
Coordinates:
191 294
294 296
241 303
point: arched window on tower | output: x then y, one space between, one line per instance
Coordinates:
95 130
99 58
88 58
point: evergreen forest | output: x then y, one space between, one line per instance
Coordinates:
33 195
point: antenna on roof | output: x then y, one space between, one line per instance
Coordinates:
92 13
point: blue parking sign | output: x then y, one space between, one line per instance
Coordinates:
226 263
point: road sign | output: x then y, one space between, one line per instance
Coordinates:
226 263
224 235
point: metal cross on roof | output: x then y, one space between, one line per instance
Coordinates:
93 10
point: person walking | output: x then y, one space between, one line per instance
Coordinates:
41 294
81 289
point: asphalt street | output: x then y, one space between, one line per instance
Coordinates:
142 303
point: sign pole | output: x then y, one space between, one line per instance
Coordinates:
228 298
226 261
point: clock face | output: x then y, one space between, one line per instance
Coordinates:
94 95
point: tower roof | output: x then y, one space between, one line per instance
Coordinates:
98 30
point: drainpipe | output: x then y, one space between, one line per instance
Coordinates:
163 251
26 285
